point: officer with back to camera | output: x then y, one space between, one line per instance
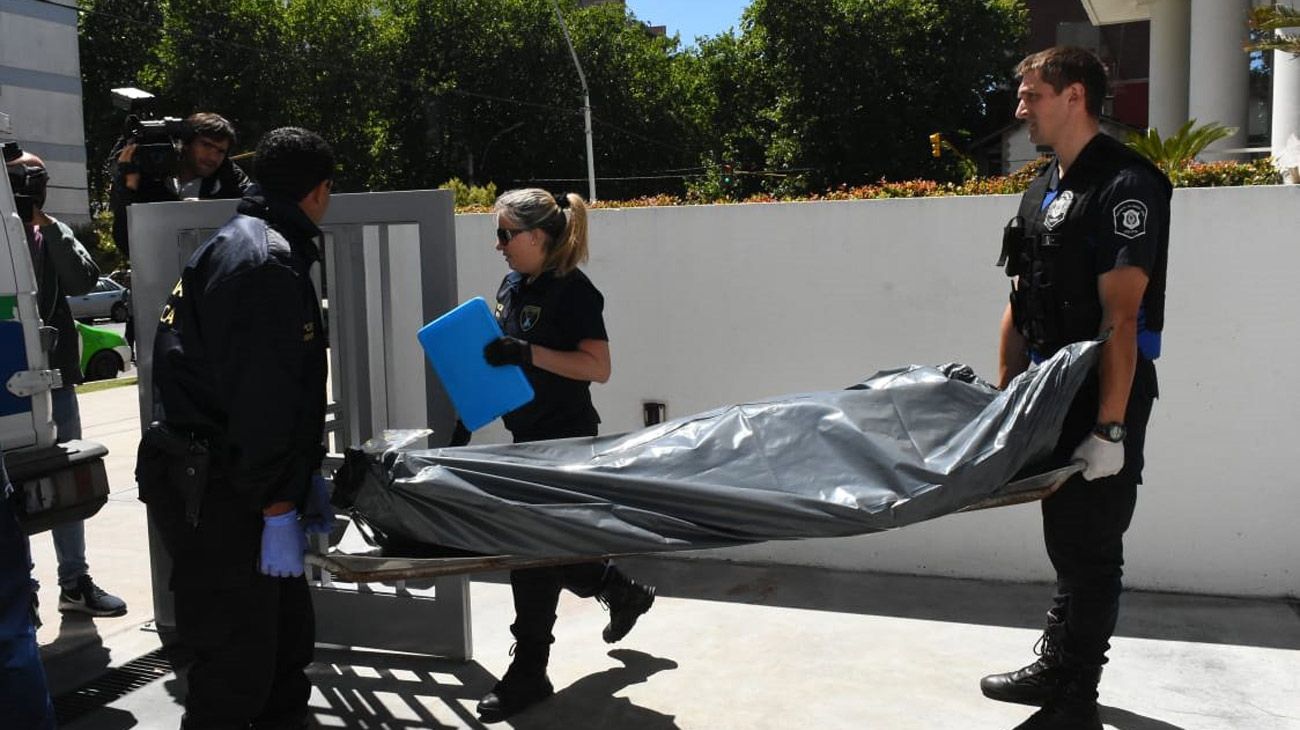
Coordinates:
231 468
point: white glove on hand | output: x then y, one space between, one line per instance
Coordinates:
1100 458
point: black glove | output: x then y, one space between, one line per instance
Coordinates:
508 351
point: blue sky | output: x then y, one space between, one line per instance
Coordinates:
690 18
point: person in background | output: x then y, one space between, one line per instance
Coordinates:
24 696
63 268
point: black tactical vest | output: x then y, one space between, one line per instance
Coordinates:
1055 301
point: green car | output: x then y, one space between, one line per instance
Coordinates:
104 353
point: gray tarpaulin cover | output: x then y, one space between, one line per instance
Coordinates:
903 446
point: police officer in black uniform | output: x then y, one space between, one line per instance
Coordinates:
551 314
230 469
1088 251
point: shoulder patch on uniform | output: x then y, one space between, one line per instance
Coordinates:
276 242
528 317
1130 218
1059 206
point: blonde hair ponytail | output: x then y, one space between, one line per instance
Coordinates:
571 248
563 218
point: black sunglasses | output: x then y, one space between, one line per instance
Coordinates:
504 235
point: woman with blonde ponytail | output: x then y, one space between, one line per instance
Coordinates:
552 316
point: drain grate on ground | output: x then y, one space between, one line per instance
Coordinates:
111 686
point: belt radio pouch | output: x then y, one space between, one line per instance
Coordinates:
171 468
1013 239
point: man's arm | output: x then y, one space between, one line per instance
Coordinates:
77 271
1013 351
120 195
1121 291
242 183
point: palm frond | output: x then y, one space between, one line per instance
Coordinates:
1179 149
1267 21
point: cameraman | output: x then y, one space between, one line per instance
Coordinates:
63 268
203 172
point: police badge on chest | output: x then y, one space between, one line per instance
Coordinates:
1057 210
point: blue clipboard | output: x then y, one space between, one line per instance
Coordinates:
454 345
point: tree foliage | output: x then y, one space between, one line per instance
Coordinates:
1277 28
413 93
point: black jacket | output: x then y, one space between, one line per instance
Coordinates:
63 268
239 357
227 182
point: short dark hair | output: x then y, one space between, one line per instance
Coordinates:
1064 65
212 126
292 161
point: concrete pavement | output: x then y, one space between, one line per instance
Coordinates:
726 646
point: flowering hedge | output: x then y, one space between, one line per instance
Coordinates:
1195 175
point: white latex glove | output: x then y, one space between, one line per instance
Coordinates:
1100 458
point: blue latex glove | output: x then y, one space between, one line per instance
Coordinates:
318 515
283 543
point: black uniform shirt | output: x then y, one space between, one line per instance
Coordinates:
240 354
556 312
1125 221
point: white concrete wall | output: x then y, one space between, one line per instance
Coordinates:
712 305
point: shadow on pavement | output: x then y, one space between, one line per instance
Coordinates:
1122 719
76 656
374 690
1144 615
108 718
590 701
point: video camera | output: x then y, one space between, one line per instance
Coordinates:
158 141
28 181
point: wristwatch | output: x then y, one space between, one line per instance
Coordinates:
1112 432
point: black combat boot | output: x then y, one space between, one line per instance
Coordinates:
626 600
1036 683
524 684
1073 707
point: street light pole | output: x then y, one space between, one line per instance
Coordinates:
586 105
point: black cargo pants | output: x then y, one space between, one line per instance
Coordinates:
1084 524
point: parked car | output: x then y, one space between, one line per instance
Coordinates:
104 353
108 300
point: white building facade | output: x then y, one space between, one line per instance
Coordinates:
1200 71
40 92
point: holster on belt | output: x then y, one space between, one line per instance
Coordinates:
173 465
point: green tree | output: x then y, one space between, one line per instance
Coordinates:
862 83
116 40
491 95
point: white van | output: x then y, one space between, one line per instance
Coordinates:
54 483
